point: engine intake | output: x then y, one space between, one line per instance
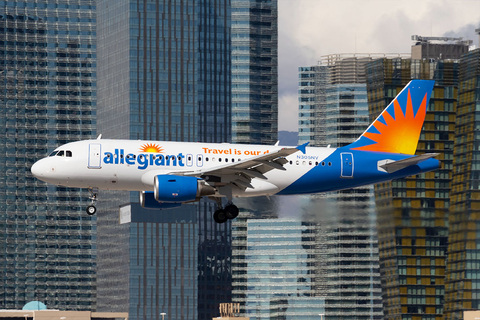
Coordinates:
170 188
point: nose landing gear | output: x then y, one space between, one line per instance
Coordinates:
91 209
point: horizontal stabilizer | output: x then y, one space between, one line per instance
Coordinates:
392 166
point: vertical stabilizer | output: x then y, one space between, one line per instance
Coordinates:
397 129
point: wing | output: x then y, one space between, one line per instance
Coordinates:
400 164
241 173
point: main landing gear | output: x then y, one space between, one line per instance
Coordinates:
91 209
222 215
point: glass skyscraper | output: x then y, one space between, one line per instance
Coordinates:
254 71
276 274
48 98
333 111
164 74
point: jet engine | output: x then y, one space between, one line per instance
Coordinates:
147 201
170 188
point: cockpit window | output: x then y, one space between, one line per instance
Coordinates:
53 153
68 153
61 153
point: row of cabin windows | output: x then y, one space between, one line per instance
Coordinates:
311 163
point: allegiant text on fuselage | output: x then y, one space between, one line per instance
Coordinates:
143 160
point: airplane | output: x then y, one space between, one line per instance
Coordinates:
169 174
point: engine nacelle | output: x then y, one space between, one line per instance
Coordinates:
170 188
147 201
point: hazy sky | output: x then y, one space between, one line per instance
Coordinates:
309 29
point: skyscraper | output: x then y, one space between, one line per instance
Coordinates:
413 212
164 74
333 110
254 71
276 274
462 288
48 98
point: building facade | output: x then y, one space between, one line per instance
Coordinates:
254 71
164 75
413 212
333 111
48 71
462 290
275 269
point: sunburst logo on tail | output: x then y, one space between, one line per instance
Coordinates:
397 133
150 147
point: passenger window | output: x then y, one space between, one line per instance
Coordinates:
226 159
61 153
190 160
233 160
199 160
68 153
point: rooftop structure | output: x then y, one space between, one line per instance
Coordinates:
443 48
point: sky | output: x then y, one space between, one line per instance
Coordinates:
310 29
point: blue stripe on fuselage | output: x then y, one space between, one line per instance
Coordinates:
365 171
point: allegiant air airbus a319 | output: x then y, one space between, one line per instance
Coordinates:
168 174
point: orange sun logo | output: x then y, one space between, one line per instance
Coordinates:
150 147
399 134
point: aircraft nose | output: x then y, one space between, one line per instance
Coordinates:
40 169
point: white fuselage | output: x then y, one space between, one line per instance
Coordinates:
132 165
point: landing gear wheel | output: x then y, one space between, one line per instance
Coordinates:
91 210
231 211
219 216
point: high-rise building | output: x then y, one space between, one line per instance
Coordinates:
462 290
254 71
333 111
164 74
48 98
412 213
276 265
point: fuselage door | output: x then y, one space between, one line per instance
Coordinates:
94 158
347 164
